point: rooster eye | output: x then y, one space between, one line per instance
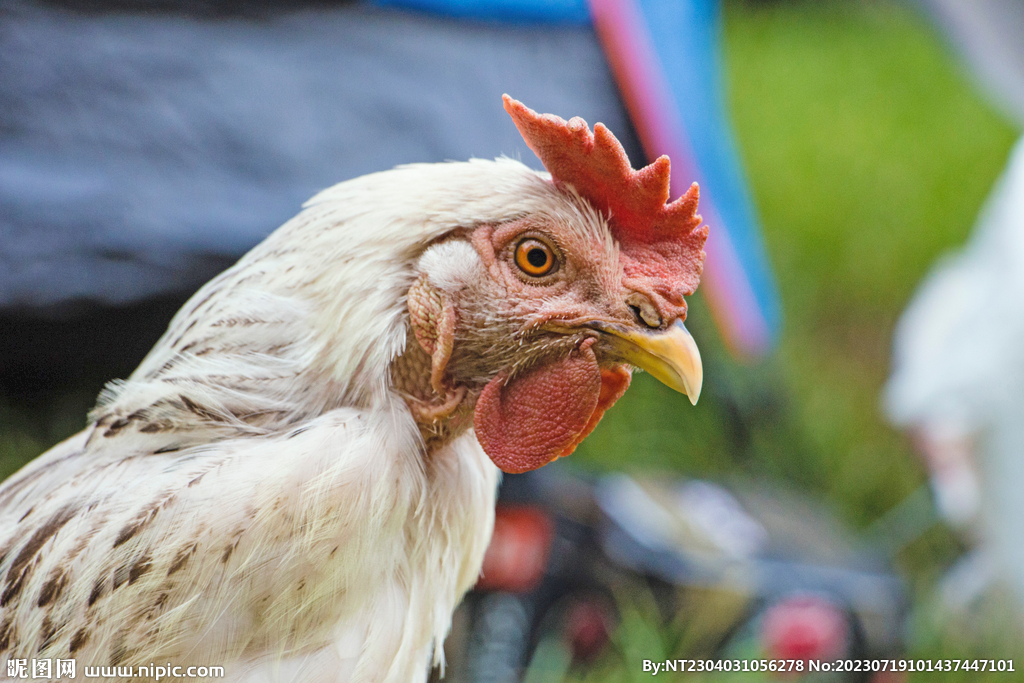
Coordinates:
534 258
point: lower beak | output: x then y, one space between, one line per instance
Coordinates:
671 355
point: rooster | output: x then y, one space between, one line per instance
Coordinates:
298 482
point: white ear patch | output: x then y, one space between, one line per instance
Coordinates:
452 265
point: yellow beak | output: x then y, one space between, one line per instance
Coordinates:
671 356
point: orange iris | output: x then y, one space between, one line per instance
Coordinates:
534 257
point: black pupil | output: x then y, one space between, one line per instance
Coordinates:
538 258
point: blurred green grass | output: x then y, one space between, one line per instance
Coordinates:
869 154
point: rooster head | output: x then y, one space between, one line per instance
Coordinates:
536 320
477 294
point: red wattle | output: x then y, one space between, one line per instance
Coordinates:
614 382
543 414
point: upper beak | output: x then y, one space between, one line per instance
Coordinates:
670 355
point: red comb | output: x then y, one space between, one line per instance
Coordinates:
660 243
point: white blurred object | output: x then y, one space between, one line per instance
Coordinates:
694 514
958 377
967 580
720 517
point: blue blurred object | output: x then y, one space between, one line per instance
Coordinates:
545 11
687 37
665 58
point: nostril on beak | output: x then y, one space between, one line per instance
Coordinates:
645 312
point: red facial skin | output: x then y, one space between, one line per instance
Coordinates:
525 421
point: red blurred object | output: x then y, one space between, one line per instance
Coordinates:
805 627
588 629
518 554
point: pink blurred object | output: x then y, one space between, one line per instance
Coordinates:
738 285
805 627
